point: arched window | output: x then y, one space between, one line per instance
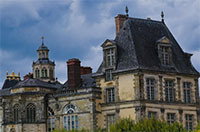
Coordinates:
51 120
16 113
30 113
44 72
70 120
37 73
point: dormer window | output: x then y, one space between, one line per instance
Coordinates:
110 52
110 57
165 51
165 57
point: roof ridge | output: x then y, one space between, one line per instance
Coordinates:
146 20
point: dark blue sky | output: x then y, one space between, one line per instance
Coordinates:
77 28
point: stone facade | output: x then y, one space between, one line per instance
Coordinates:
144 73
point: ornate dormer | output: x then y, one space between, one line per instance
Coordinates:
43 68
109 58
165 51
13 76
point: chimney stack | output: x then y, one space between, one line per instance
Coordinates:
119 20
74 76
85 70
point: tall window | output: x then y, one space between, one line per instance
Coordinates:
44 72
37 73
187 92
70 120
165 55
150 87
16 113
109 76
169 91
189 122
110 120
110 57
51 120
110 95
30 113
152 114
171 118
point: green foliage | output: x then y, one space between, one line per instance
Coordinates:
145 125
82 130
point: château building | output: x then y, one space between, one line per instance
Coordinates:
144 73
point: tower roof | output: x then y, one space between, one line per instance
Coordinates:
43 47
137 50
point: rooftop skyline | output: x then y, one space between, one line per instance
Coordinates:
77 28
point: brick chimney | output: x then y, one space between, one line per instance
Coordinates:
119 20
85 70
74 76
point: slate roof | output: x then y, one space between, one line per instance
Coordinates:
87 81
137 48
43 47
5 91
44 61
30 82
9 83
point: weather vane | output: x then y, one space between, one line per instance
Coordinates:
42 39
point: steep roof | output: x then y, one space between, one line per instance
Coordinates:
30 82
87 81
137 48
9 83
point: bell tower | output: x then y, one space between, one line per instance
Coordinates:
43 68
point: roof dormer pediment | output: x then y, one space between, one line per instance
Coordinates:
108 43
164 40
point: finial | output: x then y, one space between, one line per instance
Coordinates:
126 11
162 16
7 73
18 73
42 40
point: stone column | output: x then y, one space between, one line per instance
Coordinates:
180 115
179 89
161 88
162 110
196 91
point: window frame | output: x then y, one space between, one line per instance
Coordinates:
110 57
16 113
151 88
110 95
51 120
171 118
70 118
187 92
152 114
110 119
170 91
108 75
30 113
189 122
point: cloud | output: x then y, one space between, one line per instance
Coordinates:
74 28
195 59
11 61
93 58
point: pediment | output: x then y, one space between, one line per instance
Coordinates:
108 43
164 40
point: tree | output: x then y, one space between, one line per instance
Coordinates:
145 125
